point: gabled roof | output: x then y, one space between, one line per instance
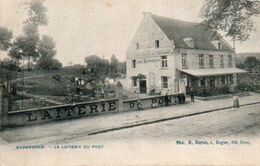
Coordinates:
178 30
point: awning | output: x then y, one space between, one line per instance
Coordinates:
212 72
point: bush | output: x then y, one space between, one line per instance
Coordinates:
248 82
205 92
48 63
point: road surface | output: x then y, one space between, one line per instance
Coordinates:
243 122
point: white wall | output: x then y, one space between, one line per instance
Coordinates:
148 58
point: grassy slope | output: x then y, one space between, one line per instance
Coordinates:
42 82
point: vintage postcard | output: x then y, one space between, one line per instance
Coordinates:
129 82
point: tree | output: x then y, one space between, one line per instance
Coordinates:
8 72
48 63
234 17
122 67
5 38
97 67
114 67
98 70
46 46
251 64
27 44
16 50
47 52
114 62
36 13
31 39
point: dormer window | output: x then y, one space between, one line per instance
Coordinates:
217 44
157 44
189 41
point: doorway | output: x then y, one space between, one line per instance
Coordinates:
143 88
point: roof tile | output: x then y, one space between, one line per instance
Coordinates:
178 30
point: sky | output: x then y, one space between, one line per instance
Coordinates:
103 27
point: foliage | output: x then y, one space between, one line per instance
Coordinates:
8 68
29 45
117 66
114 67
48 63
31 38
47 52
240 57
97 68
5 38
234 17
47 46
207 91
8 72
16 50
36 13
37 87
25 46
36 16
251 64
249 81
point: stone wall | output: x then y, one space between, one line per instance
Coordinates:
71 111
54 113
152 102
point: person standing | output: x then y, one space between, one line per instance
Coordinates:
235 101
192 95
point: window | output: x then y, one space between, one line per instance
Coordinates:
221 62
201 83
211 61
219 45
184 60
189 41
229 60
134 79
134 63
201 61
164 82
137 46
157 44
164 61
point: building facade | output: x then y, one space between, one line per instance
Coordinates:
169 55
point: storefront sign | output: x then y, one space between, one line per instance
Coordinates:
148 60
74 111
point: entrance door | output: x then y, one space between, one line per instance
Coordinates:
143 88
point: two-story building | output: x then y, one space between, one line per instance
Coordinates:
170 55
